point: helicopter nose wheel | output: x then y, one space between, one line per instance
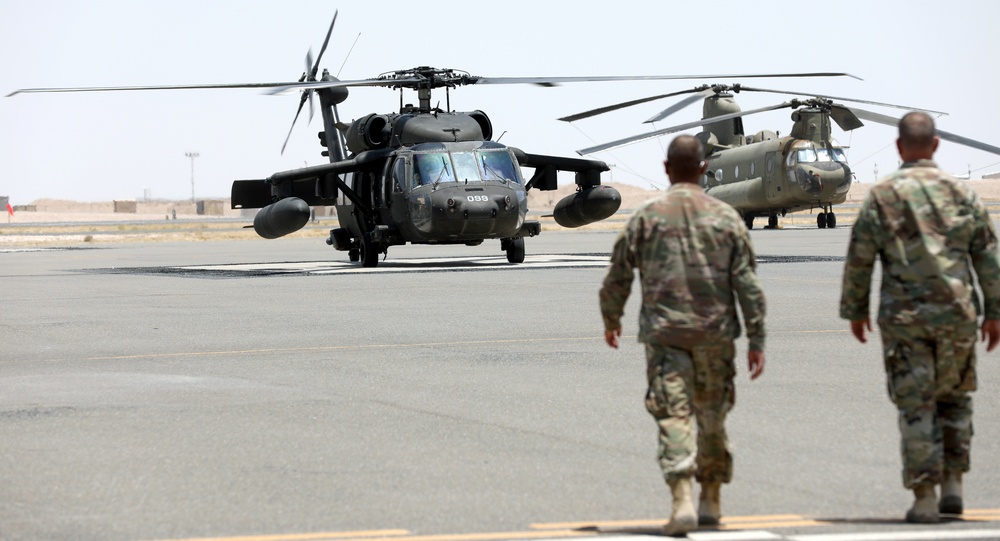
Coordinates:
748 220
821 220
772 221
514 248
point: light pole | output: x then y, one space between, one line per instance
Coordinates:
192 155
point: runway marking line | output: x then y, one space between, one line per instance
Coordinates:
318 536
749 525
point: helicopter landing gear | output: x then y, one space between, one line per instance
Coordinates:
748 219
368 253
354 255
514 248
772 221
826 220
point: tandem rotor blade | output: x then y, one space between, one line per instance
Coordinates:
947 136
855 100
680 105
624 104
682 127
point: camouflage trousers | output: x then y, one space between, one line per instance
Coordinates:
930 371
689 395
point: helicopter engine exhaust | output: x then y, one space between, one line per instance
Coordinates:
281 218
587 206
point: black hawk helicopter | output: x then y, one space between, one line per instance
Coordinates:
424 175
764 174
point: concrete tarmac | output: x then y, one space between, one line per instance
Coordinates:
140 402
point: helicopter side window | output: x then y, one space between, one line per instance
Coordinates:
465 166
432 167
497 165
839 156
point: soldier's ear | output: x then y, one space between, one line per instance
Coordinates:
666 167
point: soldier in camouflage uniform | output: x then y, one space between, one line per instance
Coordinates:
694 259
930 232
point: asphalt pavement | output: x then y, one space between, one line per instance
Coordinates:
155 391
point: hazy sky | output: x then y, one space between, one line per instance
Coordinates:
122 145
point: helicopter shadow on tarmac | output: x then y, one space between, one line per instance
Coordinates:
415 265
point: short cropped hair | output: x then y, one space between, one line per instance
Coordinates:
916 130
685 155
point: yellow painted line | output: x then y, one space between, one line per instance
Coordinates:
494 536
363 534
599 524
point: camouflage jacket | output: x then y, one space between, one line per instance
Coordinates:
695 259
930 232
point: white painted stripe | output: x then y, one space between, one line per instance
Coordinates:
744 535
901 536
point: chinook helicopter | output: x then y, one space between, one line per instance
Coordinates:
424 175
765 174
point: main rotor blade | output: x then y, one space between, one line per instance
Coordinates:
622 105
151 87
682 127
288 88
315 67
855 100
549 81
947 136
680 105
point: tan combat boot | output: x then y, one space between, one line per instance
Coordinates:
951 493
925 509
709 511
683 518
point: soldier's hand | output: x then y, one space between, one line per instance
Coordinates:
991 331
611 337
755 363
858 329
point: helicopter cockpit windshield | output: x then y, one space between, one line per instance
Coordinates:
821 154
465 166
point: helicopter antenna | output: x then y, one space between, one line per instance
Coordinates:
621 163
501 136
348 54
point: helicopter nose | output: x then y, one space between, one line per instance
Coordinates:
824 180
809 180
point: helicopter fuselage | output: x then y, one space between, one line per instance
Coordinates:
778 175
437 193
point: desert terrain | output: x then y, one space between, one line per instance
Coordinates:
60 222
